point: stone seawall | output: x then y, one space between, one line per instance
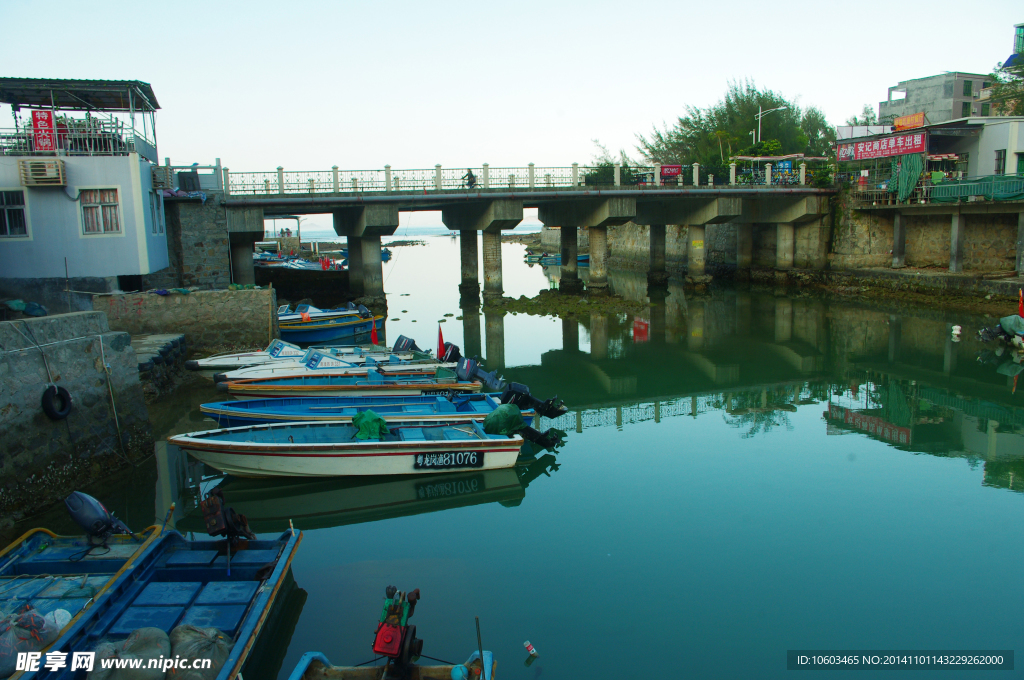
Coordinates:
551 239
209 319
41 459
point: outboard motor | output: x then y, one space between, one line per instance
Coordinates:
223 521
404 344
363 311
90 514
470 369
550 439
350 305
519 394
451 353
396 639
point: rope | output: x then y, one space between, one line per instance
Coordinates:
368 662
447 663
113 406
33 341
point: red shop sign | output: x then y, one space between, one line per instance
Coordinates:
896 145
44 134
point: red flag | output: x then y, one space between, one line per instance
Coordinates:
1020 303
440 343
373 332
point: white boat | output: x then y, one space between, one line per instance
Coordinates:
279 350
324 362
316 449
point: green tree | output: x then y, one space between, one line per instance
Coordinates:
1008 91
867 117
709 136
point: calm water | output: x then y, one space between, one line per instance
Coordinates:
745 473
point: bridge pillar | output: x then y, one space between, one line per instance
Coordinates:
598 335
695 326
656 295
956 243
470 286
570 280
695 250
895 338
598 260
242 271
471 346
743 314
899 241
373 267
744 246
656 274
785 245
494 327
355 264
570 334
492 265
783 320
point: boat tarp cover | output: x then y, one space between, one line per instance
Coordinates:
906 170
506 419
1013 324
370 425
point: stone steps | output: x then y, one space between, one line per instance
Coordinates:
159 355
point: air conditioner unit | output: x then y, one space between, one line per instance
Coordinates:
42 173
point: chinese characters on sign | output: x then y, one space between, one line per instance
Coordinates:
897 145
870 424
914 120
44 134
30 661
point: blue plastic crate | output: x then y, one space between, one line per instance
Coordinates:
134 618
168 593
224 618
227 592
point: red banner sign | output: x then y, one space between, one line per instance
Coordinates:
870 424
897 145
44 133
641 330
671 170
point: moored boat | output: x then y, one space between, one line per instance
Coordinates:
323 361
371 384
313 449
279 350
459 408
329 329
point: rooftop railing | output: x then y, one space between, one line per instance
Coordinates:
438 178
101 140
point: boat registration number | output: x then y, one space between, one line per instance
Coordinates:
448 460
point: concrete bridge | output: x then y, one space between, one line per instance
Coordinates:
366 205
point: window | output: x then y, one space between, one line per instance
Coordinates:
12 213
985 84
965 110
1018 40
985 108
99 211
968 88
154 212
1001 161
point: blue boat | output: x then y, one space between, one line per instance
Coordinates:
316 666
462 407
440 381
328 330
173 582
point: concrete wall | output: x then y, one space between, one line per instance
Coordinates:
55 230
209 319
198 237
42 460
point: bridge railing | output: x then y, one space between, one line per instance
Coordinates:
438 178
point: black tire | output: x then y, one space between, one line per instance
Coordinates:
56 402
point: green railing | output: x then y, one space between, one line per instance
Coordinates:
992 188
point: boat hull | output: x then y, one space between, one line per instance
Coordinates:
329 330
242 390
396 458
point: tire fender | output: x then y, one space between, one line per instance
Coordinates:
56 402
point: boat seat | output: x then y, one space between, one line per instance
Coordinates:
445 406
413 434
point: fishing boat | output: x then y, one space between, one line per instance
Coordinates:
316 666
160 580
323 361
310 313
329 329
459 408
316 449
441 381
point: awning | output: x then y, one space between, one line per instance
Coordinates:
78 95
772 159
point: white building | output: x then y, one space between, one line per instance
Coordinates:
78 207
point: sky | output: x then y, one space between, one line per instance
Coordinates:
308 85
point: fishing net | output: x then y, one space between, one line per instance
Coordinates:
190 642
24 630
370 425
143 643
506 419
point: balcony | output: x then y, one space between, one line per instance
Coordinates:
93 138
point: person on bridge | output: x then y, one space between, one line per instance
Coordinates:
470 178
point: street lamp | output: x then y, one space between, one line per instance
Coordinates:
761 115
